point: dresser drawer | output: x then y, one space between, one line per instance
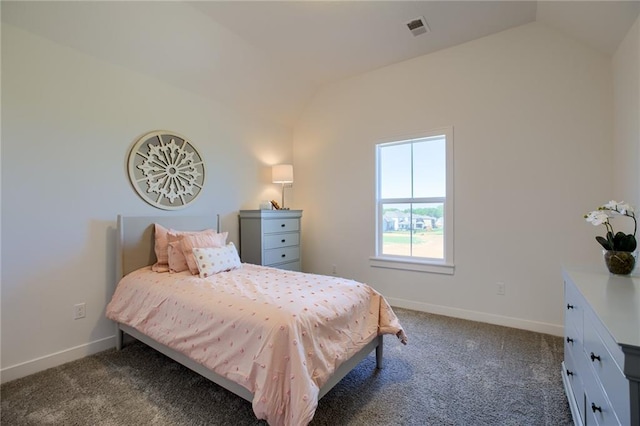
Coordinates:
281 240
281 255
290 266
281 225
598 351
598 411
573 309
572 340
573 373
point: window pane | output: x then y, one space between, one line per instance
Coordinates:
396 225
395 171
429 167
428 230
413 230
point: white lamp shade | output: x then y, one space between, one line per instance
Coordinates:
282 173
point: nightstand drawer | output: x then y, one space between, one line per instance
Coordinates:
290 266
271 238
286 254
281 240
281 225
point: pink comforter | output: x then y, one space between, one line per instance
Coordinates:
280 334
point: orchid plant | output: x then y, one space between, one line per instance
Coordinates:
614 241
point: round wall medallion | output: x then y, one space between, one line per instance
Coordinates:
166 170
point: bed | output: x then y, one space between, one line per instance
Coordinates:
279 339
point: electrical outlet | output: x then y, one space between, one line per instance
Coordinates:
500 289
334 269
79 311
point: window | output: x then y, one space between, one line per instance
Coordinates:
414 203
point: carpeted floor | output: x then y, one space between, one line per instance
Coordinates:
453 372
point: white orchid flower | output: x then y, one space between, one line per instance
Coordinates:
625 208
611 205
597 217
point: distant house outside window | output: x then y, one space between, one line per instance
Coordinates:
414 203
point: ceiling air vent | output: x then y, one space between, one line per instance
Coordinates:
417 26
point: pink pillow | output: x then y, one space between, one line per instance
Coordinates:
189 242
177 262
162 245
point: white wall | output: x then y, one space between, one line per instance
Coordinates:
626 73
68 122
533 125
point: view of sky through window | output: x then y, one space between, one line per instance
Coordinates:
428 169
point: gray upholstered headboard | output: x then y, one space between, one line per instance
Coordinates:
136 244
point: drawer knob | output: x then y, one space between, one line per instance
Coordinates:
283 240
569 373
569 306
284 255
569 340
595 408
594 357
283 225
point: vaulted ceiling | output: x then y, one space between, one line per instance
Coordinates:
268 58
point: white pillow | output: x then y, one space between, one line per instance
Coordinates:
212 260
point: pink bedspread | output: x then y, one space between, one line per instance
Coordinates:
280 334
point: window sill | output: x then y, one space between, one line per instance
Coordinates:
412 265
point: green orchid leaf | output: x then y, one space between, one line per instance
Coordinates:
628 243
619 241
604 243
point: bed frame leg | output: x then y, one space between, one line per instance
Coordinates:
119 337
379 352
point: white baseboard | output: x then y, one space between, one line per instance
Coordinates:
53 360
540 327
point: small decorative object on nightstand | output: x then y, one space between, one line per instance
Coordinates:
271 238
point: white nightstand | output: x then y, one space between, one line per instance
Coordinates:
271 238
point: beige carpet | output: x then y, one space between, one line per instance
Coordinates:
453 372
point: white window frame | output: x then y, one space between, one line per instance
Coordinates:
410 263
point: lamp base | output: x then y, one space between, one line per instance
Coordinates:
284 185
282 204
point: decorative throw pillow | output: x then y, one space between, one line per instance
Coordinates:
189 242
216 259
177 262
161 247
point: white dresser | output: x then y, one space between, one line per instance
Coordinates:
271 238
601 368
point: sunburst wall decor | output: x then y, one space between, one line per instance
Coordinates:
166 170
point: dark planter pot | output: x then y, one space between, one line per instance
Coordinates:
619 262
